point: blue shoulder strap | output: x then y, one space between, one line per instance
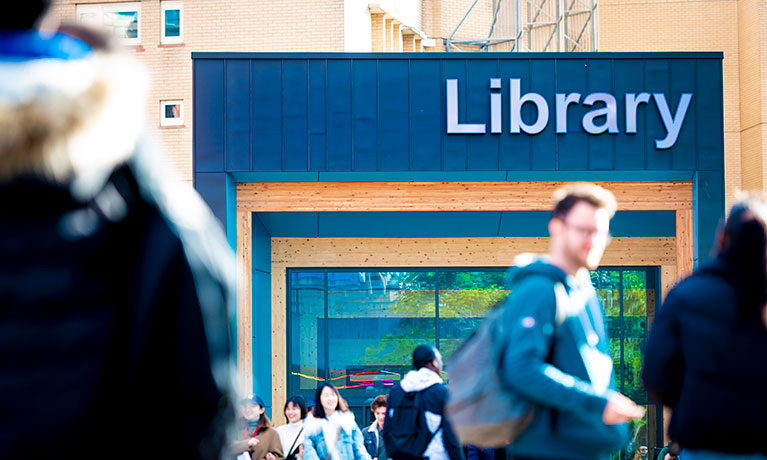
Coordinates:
22 45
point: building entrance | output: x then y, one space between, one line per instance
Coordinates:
357 327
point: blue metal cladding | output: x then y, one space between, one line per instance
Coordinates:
383 117
266 112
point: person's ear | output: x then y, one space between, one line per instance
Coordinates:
722 240
555 227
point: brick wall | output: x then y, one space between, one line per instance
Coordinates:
219 25
688 25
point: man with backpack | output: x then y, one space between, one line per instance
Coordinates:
552 345
415 427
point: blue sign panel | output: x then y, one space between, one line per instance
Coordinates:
448 112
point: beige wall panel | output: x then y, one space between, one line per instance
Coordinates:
431 18
244 254
470 252
752 92
444 196
732 166
752 142
377 32
763 56
684 25
750 64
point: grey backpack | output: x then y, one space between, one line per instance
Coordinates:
482 409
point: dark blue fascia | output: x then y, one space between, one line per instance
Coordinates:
470 224
474 56
464 176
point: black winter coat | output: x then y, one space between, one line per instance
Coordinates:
112 324
433 399
707 360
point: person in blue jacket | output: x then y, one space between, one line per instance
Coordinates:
331 432
553 346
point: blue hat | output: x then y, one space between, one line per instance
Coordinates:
255 399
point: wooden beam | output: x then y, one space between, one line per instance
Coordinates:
244 255
668 277
437 252
445 196
684 243
279 346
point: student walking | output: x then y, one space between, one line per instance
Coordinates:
553 341
415 425
706 353
373 435
331 432
256 437
292 433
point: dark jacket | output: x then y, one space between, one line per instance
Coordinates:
444 445
705 359
541 362
374 443
113 291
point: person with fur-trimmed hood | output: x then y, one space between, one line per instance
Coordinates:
331 432
114 336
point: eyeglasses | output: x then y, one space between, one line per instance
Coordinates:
589 233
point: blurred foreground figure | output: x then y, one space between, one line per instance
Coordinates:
707 350
554 347
113 326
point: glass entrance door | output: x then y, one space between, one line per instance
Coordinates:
357 328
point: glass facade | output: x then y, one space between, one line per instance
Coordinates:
358 328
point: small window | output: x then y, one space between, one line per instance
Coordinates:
171 113
172 23
121 19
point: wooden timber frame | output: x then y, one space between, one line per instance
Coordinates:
674 255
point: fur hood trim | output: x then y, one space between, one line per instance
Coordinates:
69 120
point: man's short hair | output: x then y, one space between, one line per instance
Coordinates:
565 198
380 401
423 355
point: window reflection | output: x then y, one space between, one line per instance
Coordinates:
358 328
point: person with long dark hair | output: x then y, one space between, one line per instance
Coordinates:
331 432
705 354
292 433
254 433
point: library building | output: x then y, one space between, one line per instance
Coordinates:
377 201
